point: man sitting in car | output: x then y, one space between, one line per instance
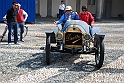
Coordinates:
68 15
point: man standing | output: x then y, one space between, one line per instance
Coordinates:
61 9
21 18
12 23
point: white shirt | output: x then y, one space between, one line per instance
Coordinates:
62 6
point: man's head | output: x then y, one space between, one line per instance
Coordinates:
84 8
68 9
18 6
62 2
14 5
14 2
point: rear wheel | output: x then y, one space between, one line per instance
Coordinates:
48 49
4 33
99 53
25 31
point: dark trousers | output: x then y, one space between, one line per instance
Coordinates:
15 28
21 26
61 12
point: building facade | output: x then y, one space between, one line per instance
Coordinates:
99 8
50 8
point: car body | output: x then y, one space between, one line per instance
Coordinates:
74 38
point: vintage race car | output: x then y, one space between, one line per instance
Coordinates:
75 38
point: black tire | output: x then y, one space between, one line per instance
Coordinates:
99 53
4 33
24 34
19 32
48 49
25 31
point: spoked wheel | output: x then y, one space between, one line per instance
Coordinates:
48 49
25 31
4 33
24 34
99 53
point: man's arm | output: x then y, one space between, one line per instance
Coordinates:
91 19
76 16
8 15
26 15
60 20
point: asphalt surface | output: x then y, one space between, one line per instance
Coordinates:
25 63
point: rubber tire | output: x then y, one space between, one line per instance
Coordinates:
25 31
100 52
48 49
4 33
24 35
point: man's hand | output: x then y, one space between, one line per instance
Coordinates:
76 13
92 25
55 22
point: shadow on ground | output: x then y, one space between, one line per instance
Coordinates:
66 60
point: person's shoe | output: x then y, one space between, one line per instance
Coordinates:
17 43
22 40
9 43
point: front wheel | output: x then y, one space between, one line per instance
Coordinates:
25 31
19 32
4 33
48 49
99 53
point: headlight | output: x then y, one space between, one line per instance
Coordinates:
59 36
87 36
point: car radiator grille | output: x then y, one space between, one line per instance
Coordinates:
73 38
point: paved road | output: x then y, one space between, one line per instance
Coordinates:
25 63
